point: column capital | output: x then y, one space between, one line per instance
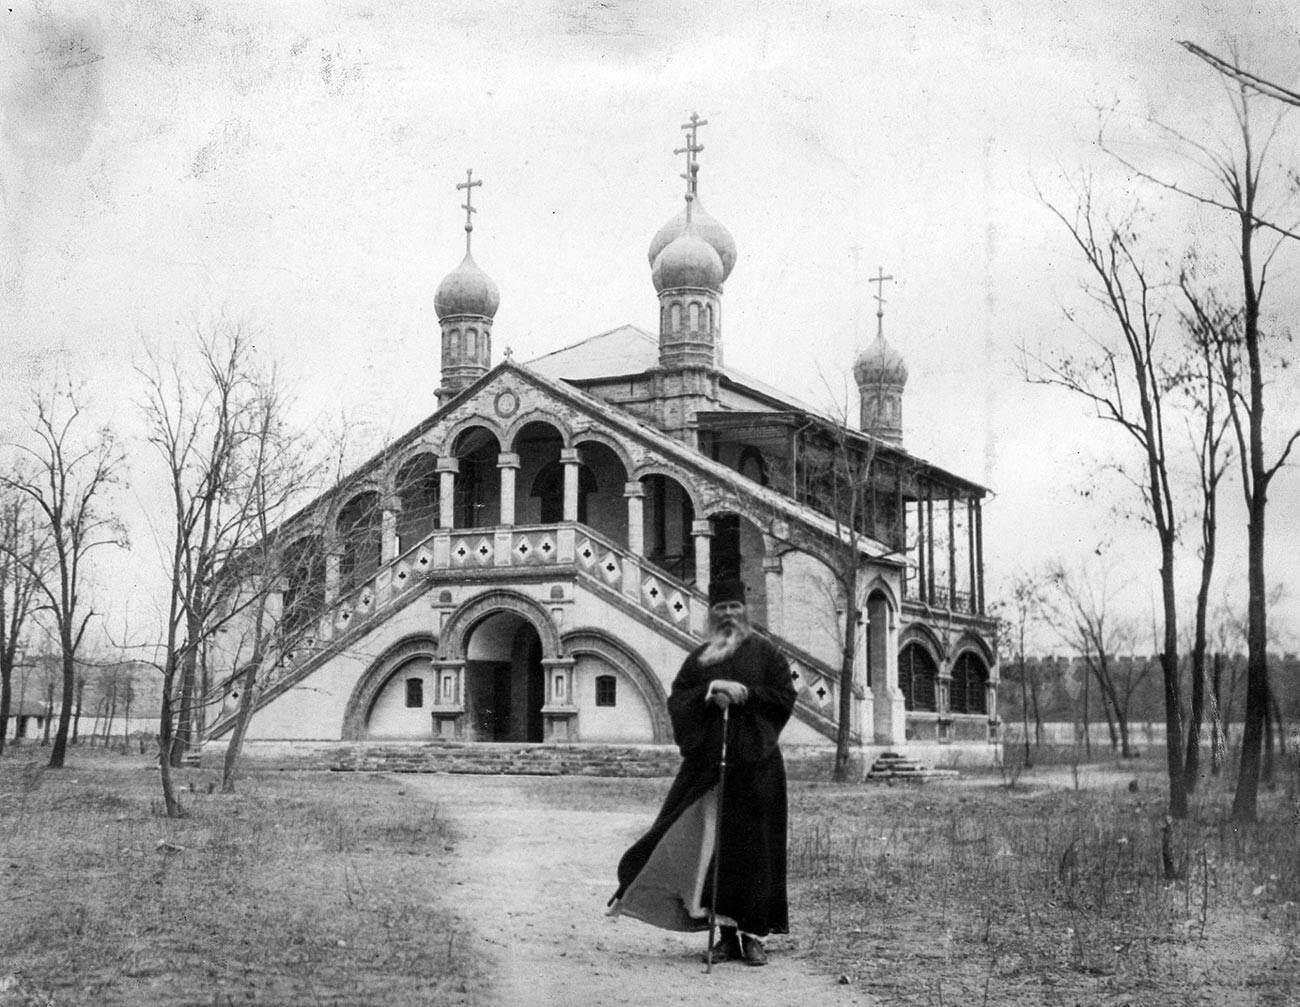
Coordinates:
570 456
702 528
447 463
508 460
636 488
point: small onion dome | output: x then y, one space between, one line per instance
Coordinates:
466 290
880 363
706 227
687 261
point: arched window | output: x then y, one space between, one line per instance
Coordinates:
694 315
708 319
414 693
606 690
916 678
969 685
676 314
471 344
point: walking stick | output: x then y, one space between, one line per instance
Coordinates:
717 846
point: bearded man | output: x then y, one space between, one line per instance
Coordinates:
666 877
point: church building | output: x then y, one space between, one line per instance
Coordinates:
530 563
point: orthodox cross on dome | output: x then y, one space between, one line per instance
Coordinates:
468 205
879 279
690 150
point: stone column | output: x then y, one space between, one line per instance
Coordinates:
570 459
447 468
559 713
702 533
634 493
388 533
507 465
775 584
332 574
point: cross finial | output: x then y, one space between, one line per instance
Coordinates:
690 150
468 205
879 279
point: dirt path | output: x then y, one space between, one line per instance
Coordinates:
534 879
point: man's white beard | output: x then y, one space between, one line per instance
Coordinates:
723 642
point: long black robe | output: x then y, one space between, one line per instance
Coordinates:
752 868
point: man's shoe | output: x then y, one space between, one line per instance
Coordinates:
753 951
727 949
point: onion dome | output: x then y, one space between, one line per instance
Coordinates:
688 261
466 290
880 364
717 236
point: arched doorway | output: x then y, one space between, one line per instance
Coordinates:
737 553
417 489
504 680
668 514
602 505
359 529
478 486
917 679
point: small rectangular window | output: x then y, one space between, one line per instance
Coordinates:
414 692
606 690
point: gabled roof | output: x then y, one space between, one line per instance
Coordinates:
630 350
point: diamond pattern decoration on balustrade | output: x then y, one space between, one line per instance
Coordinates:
813 687
534 548
651 593
610 569
678 607
586 553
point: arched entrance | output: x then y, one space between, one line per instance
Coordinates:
504 680
668 515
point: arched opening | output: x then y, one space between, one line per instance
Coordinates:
539 445
737 553
417 489
753 465
601 505
303 564
668 514
504 680
478 487
917 678
969 685
877 641
548 493
401 706
360 534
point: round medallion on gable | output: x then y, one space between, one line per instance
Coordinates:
507 403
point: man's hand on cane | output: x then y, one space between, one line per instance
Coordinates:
725 692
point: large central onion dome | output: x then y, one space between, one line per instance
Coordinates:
717 236
466 290
880 364
688 261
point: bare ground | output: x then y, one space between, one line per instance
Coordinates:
534 881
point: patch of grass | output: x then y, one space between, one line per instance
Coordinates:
302 888
977 893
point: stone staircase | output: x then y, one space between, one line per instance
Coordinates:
655 597
891 766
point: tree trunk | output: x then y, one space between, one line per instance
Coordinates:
1245 801
1024 703
1087 724
843 730
59 753
76 717
49 715
6 704
242 717
184 738
165 743
1218 730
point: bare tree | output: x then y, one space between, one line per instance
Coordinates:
1080 604
1205 321
23 560
1126 375
1023 607
224 442
1240 171
69 473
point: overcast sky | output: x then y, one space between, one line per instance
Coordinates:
294 166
